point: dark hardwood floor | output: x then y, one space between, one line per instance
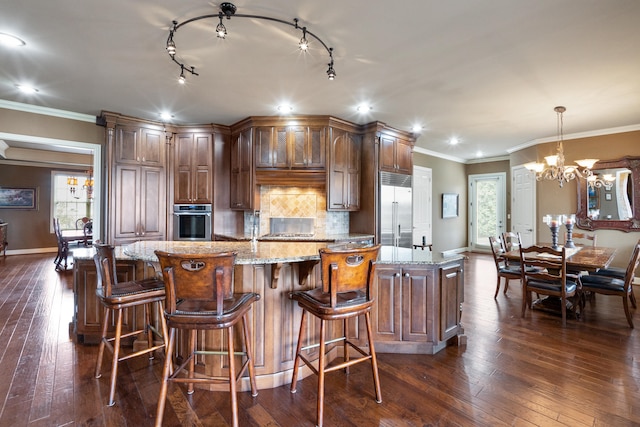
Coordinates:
513 370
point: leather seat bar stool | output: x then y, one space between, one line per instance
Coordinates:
116 297
347 278
200 297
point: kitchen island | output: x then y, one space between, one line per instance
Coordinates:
417 310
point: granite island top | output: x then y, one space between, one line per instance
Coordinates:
262 252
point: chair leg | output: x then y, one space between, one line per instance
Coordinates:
563 309
627 312
296 363
116 356
192 358
345 347
232 378
147 313
497 288
525 297
632 297
506 285
165 377
374 360
105 327
321 362
249 349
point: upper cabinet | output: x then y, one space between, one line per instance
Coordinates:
139 145
396 154
193 168
343 177
242 170
289 147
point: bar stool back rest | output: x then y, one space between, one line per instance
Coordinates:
116 297
347 278
200 297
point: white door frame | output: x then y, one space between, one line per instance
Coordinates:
501 177
422 205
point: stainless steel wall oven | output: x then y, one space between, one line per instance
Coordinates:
192 222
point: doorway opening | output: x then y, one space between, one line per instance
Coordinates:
487 208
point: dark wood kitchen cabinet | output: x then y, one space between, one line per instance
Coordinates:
418 306
136 185
396 155
193 168
242 170
289 147
343 175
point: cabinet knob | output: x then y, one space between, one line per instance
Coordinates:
397 275
406 274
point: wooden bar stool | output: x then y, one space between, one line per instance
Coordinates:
200 297
347 277
116 297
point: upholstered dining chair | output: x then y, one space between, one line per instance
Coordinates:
117 297
200 297
614 285
503 270
347 278
544 271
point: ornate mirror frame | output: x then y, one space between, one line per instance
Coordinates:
586 223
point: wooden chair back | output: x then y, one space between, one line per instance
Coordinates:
590 239
106 268
497 251
197 277
544 264
511 240
630 273
345 270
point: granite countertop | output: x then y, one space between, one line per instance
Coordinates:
263 252
318 237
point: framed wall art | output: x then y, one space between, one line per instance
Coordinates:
449 205
18 198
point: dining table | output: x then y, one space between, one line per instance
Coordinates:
580 258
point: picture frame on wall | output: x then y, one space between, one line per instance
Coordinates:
18 198
449 205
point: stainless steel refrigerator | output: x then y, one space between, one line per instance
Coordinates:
395 210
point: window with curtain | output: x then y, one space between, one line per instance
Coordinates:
72 197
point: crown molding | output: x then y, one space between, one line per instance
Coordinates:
588 134
35 109
439 155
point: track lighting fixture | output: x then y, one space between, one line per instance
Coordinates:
227 10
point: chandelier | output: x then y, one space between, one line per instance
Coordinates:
227 10
72 182
555 169
605 181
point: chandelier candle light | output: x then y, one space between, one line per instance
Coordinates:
569 222
555 169
554 222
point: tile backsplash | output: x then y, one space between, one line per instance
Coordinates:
297 202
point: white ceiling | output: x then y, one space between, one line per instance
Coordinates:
488 72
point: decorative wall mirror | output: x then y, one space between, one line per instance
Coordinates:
613 200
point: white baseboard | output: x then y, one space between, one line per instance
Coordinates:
31 251
453 252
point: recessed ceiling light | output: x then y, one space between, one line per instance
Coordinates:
285 108
363 108
479 153
11 41
416 128
28 89
166 116
454 141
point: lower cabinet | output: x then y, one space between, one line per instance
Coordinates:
417 308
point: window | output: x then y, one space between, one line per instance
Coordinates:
72 197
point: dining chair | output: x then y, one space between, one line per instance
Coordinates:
117 297
503 269
347 277
613 285
511 240
63 247
200 297
545 273
582 239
